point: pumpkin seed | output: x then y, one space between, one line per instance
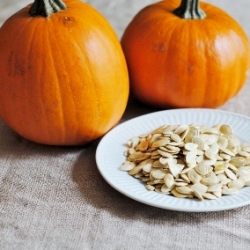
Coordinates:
159 174
178 194
202 169
169 181
226 129
165 189
238 184
175 169
215 187
160 143
199 142
143 146
150 187
191 146
184 190
127 166
229 191
181 129
245 178
230 174
193 176
209 196
190 157
198 195
201 189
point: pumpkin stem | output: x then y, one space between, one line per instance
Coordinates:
190 9
46 7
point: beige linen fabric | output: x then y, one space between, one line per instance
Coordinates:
55 198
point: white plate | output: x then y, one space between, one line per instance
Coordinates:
110 156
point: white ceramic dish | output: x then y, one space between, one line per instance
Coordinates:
110 156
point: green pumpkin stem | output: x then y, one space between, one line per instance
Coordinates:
46 7
190 9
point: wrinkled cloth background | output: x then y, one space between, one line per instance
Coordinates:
55 198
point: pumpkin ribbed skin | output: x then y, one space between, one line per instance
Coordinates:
64 78
176 62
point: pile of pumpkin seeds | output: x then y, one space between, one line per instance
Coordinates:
190 161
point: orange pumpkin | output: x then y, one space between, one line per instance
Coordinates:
63 75
185 55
